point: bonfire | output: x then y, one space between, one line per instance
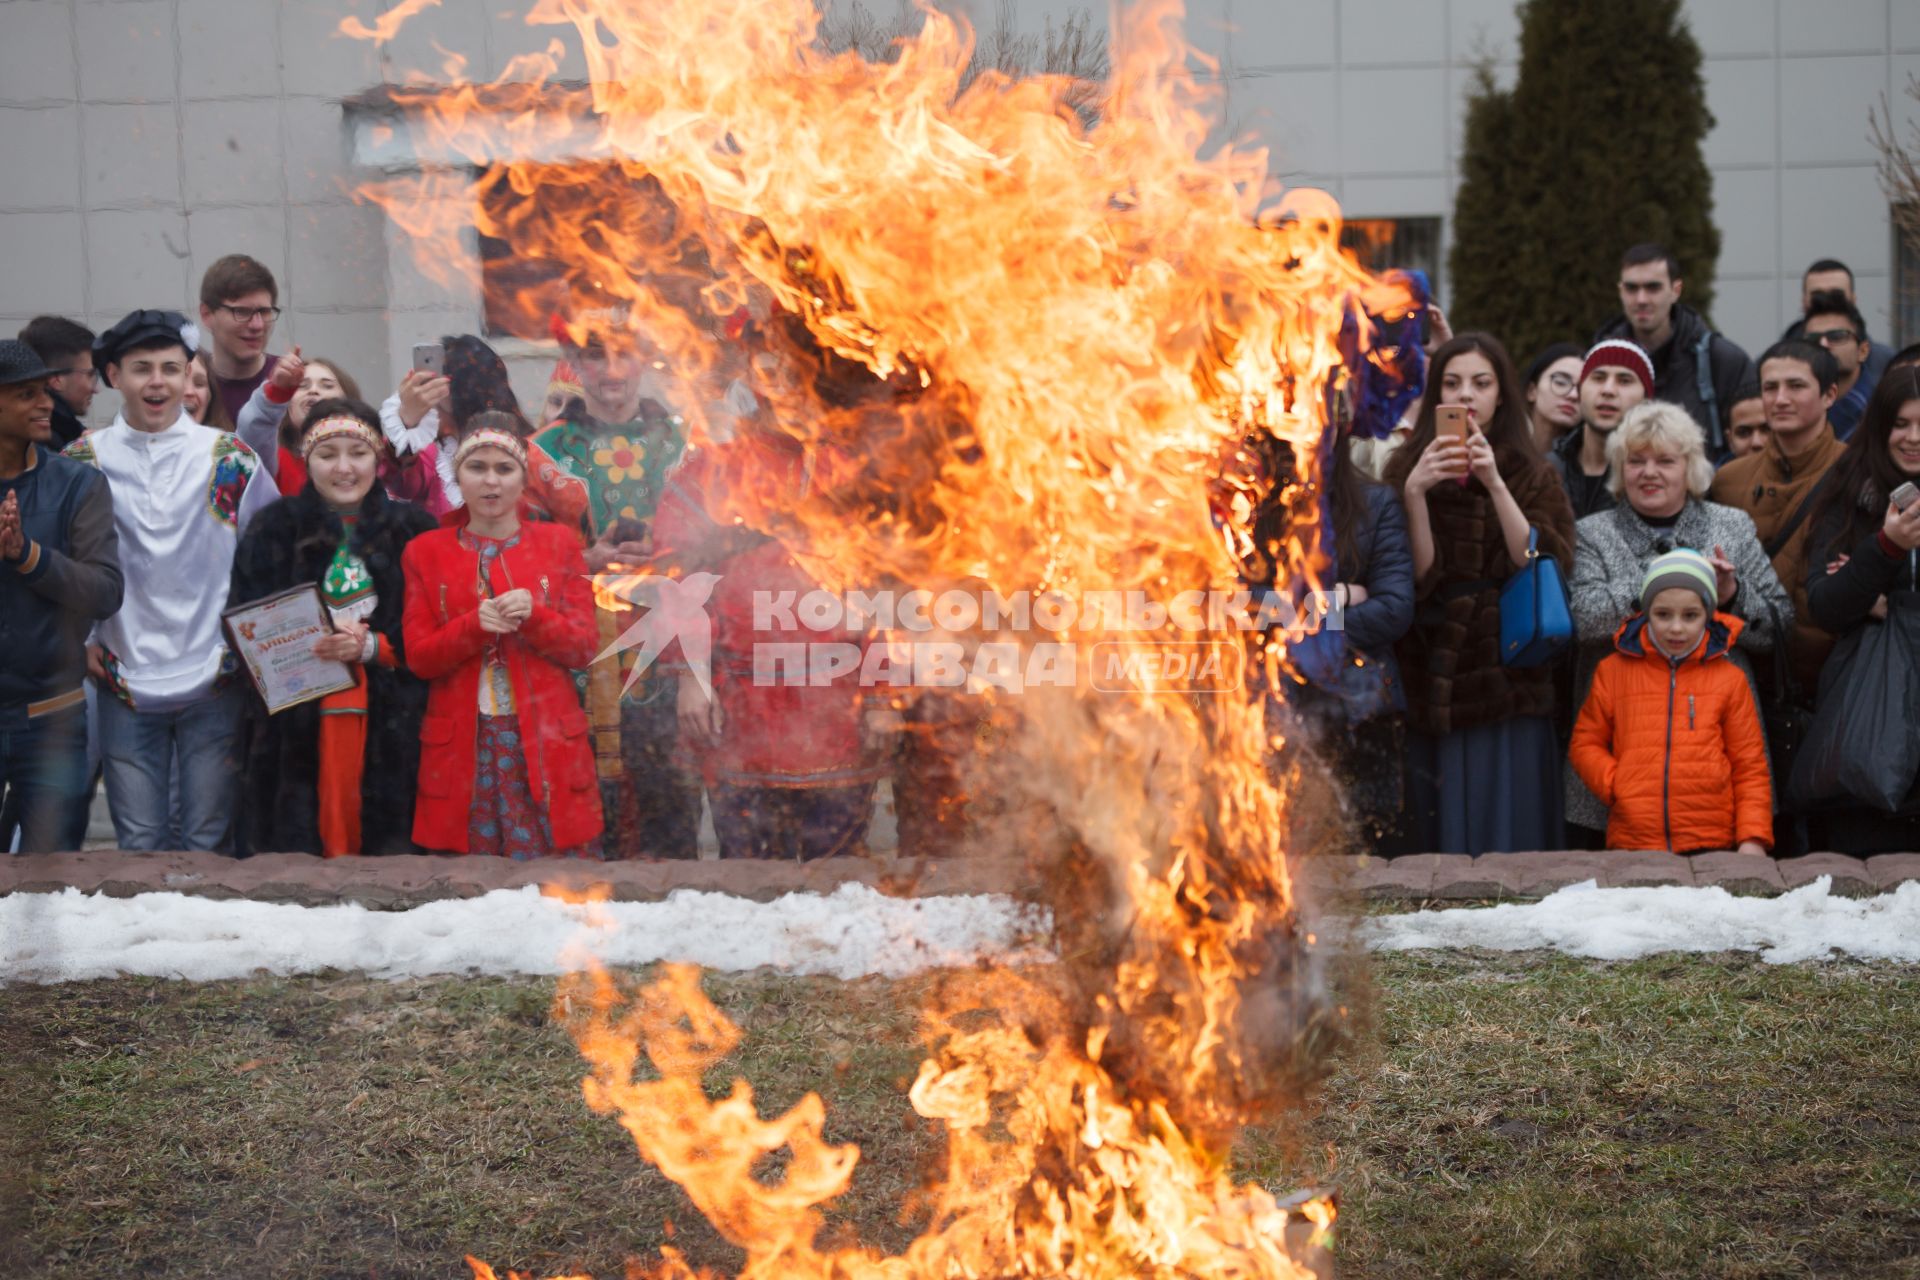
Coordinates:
1037 339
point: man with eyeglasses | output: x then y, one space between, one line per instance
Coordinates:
1693 366
1836 324
67 348
1832 275
239 302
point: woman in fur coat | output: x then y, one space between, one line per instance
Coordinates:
336 776
1483 760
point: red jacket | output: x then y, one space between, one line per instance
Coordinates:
775 733
1674 749
445 644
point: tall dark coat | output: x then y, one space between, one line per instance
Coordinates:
290 543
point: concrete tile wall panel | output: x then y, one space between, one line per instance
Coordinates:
1836 26
43 268
1378 134
1396 197
358 340
1290 110
260 231
337 256
315 156
229 49
1483 28
40 154
509 36
422 45
1740 95
315 58
1823 109
127 51
36 52
132 155
137 258
1744 209
1373 32
1749 311
1904 106
1740 28
1838 213
1905 26
232 153
1273 36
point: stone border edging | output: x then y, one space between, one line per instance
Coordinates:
400 882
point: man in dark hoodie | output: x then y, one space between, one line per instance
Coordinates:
1693 367
66 348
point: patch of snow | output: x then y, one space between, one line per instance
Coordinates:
851 933
67 936
1808 923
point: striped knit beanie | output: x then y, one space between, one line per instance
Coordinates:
1680 568
1627 355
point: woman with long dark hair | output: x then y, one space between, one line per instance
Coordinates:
1863 561
1484 767
336 776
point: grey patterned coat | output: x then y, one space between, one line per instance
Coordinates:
1611 554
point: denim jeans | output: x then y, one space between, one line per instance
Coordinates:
148 756
43 773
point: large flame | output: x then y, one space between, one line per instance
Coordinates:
1023 350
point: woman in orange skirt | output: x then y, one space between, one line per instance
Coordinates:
336 776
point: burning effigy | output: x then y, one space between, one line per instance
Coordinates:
1029 338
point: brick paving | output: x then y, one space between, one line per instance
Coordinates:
393 883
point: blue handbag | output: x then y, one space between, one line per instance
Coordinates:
1536 617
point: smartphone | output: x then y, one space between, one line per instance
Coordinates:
627 529
1903 496
430 357
1452 420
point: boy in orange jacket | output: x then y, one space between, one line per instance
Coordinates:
1669 737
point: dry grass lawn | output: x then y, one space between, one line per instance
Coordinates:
1513 1115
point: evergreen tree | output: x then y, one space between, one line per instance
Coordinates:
1596 147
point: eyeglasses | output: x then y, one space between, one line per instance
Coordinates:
90 374
247 315
1827 337
1563 383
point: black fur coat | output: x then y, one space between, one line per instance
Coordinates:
290 543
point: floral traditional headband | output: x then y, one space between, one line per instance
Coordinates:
492 437
336 427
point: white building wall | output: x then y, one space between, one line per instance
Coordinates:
141 139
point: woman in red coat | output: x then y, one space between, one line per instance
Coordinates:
498 613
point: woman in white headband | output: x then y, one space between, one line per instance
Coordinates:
335 776
498 616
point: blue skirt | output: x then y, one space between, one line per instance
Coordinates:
1491 789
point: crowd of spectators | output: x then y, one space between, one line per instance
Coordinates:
1738 538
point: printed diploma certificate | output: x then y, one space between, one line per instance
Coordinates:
274 637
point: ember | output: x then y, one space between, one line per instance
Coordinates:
1019 351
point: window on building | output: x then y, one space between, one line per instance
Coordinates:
1385 244
1906 275
517 293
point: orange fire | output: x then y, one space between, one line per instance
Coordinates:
1029 345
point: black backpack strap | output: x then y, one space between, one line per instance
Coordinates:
1784 534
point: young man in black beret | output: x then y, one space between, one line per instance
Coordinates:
59 575
169 705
